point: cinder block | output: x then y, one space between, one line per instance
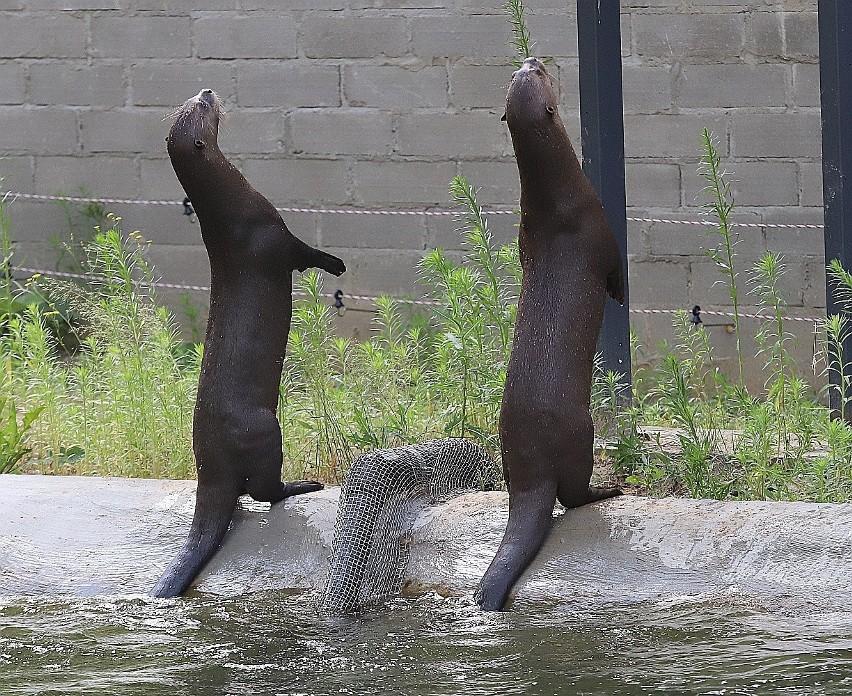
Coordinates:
377 272
653 185
422 183
40 223
468 134
794 243
253 132
288 83
158 180
68 84
373 231
39 255
801 34
555 35
275 5
708 286
397 4
180 264
16 174
12 83
308 182
800 216
675 36
97 176
569 86
470 36
658 284
37 130
78 5
670 135
336 36
449 232
752 184
667 239
647 89
170 83
341 131
479 85
793 134
815 282
731 86
140 36
496 183
394 87
42 36
227 35
161 225
806 84
791 283
763 34
810 184
124 130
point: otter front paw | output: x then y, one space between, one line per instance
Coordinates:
298 487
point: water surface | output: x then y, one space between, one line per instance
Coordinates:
275 643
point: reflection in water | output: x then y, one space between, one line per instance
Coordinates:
277 644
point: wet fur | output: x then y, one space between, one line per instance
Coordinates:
236 434
570 261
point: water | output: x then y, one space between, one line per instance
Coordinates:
275 643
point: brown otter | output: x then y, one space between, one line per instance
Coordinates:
570 260
236 436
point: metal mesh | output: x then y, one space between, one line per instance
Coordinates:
381 496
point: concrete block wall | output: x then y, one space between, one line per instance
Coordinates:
378 103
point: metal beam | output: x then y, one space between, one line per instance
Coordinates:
835 59
602 128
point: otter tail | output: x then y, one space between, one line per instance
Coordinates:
530 514
213 512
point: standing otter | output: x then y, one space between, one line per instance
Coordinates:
570 260
236 436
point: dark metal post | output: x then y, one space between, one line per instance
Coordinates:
602 125
835 60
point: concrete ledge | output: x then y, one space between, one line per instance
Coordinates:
84 536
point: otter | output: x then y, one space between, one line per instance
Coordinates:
570 261
236 436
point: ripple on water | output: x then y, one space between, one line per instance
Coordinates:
277 644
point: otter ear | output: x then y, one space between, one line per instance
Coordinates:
199 143
503 117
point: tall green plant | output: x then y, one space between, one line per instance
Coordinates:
720 206
838 328
521 40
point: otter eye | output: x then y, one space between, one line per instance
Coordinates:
550 109
199 143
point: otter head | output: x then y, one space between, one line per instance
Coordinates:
531 99
196 126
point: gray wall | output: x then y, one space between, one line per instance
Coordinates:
378 103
